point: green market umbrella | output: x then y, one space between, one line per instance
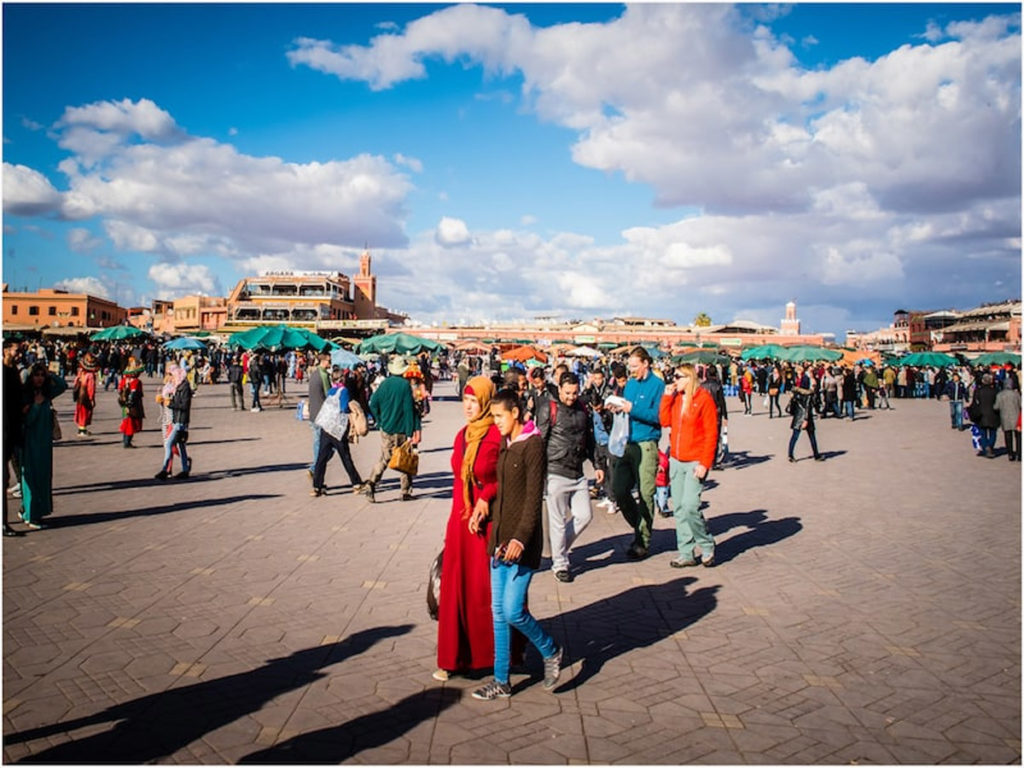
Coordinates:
400 343
702 356
936 359
118 333
277 337
807 354
996 358
763 352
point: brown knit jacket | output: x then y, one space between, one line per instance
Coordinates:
516 508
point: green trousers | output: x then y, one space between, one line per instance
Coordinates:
637 467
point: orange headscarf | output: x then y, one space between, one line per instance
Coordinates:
482 389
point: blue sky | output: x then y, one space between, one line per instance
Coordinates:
510 161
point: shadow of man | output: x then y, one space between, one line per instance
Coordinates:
636 618
158 725
329 746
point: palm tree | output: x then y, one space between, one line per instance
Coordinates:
702 320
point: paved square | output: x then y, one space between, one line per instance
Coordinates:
865 609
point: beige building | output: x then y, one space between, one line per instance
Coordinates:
55 307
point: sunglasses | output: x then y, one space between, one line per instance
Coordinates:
682 376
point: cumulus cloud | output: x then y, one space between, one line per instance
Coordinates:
155 189
693 98
451 232
91 285
27 192
182 279
82 240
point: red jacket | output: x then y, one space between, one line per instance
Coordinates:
694 435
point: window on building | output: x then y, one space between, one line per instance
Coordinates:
74 311
52 311
33 310
14 309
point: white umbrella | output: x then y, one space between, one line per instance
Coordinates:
583 352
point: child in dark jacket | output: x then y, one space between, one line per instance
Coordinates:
515 543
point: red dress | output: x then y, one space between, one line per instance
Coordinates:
465 630
129 425
86 380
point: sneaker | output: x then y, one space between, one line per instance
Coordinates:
552 669
819 457
34 526
563 575
683 562
163 474
183 475
367 491
406 495
494 690
440 674
16 493
708 561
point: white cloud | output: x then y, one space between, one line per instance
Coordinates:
125 117
452 232
82 240
690 98
409 162
91 285
182 279
157 190
27 192
232 131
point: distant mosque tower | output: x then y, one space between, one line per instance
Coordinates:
791 325
365 293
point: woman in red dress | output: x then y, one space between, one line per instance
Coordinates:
465 629
130 396
85 386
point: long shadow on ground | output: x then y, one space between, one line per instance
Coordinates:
155 726
330 746
636 618
68 521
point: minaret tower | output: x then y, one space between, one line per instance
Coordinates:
365 293
791 325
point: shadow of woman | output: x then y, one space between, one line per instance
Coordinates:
636 618
330 746
158 725
761 532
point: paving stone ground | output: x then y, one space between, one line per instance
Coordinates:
865 609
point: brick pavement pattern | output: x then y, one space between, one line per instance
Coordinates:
865 609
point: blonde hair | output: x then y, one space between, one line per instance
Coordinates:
692 384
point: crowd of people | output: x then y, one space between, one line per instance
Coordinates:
527 439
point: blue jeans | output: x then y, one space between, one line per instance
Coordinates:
988 438
796 436
661 498
848 406
255 386
691 528
316 445
509 584
174 437
956 413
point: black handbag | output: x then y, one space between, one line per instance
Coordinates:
434 585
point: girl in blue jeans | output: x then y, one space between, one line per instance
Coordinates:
515 543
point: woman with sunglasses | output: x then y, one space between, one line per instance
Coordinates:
689 412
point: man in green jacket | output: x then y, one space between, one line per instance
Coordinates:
394 410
